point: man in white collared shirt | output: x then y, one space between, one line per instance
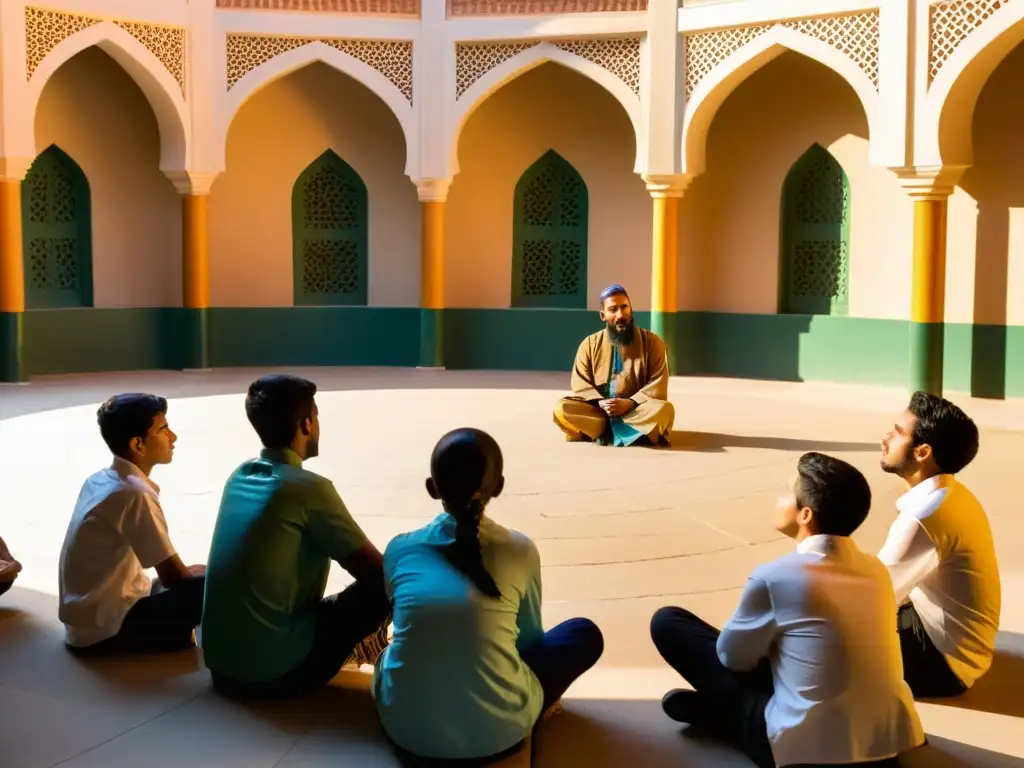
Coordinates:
940 551
807 672
107 603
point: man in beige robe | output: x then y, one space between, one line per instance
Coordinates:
619 382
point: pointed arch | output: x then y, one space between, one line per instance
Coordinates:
162 91
815 258
550 236
291 61
56 223
522 63
330 234
946 138
716 87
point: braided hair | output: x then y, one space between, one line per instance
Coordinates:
465 473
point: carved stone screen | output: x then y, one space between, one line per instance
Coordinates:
57 233
329 223
549 260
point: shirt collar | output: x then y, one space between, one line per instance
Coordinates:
824 544
281 456
126 469
917 495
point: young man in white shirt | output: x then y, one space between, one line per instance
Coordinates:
807 672
940 551
107 603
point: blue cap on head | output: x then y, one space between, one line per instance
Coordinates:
612 290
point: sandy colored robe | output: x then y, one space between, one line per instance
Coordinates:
644 380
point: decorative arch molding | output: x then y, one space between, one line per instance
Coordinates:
968 41
713 89
480 73
276 66
161 89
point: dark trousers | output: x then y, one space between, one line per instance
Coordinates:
6 585
359 614
732 704
161 622
924 667
558 660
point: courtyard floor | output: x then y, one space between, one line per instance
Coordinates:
621 533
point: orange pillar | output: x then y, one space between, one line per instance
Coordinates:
432 193
195 279
12 283
665 192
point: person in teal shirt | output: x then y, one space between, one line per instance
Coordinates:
470 668
267 627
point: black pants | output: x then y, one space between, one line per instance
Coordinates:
924 667
6 585
162 622
344 620
558 660
732 704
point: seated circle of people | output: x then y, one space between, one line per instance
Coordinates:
808 671
267 628
940 551
107 603
9 568
619 382
470 669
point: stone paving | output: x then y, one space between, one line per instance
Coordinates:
621 533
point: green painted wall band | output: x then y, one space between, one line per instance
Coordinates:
12 367
431 352
926 352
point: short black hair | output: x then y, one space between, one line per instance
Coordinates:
277 405
837 493
950 432
124 417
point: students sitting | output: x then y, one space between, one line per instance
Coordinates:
940 551
267 627
470 669
807 671
117 530
9 568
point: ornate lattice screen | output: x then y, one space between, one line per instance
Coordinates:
329 224
816 236
57 233
549 260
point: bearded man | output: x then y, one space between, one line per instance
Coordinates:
619 382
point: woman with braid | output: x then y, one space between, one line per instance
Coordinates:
470 670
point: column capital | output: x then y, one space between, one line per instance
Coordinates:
666 186
191 182
14 168
934 182
432 190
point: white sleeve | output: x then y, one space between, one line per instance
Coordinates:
144 528
910 555
748 636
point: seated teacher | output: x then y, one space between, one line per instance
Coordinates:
470 669
619 382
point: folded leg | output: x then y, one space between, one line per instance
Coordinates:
579 419
653 418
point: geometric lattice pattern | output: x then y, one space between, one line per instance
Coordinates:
374 7
392 58
618 55
855 35
56 230
525 7
45 30
330 222
817 215
550 232
951 23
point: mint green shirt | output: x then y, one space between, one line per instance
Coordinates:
452 683
278 528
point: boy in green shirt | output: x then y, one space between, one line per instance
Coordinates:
267 627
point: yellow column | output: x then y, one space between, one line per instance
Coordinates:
930 189
12 283
433 194
665 193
